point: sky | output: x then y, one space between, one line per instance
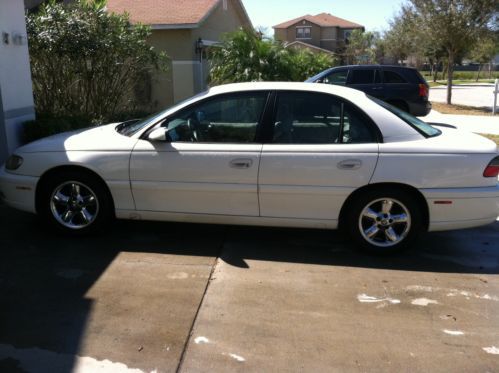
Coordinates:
373 14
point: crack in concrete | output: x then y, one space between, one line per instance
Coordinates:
209 280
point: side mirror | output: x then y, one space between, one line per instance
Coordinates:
159 134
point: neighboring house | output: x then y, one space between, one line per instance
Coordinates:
16 91
323 31
183 29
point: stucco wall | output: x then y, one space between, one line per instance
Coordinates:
16 94
187 75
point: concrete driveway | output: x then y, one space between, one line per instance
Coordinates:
196 298
476 95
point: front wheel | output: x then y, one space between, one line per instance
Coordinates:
382 222
75 203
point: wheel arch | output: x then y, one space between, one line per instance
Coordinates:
66 168
421 200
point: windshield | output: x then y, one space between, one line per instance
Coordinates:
131 127
422 127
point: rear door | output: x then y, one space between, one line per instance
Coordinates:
367 80
321 149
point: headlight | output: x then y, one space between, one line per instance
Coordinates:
13 162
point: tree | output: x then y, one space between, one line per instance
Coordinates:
86 62
246 56
360 47
400 39
484 50
453 25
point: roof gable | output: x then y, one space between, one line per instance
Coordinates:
322 19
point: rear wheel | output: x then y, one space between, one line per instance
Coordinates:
384 221
75 202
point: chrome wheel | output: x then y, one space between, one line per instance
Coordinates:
74 205
385 222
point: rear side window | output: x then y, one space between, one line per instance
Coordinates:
391 77
362 76
314 118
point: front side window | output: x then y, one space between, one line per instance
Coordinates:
362 76
314 118
337 77
230 118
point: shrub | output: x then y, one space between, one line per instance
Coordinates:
46 125
246 56
86 62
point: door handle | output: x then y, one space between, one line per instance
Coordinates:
350 164
241 163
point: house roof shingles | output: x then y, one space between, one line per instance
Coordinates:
323 20
163 12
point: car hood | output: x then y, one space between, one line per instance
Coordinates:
101 138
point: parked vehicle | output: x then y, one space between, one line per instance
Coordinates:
271 154
403 87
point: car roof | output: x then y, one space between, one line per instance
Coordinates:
346 92
373 66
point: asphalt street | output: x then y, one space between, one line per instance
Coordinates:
167 297
476 95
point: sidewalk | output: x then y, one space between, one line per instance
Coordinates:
472 123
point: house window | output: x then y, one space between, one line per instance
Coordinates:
347 35
225 4
303 32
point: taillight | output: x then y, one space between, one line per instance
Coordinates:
492 170
423 90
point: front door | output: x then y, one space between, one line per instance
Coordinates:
321 150
210 166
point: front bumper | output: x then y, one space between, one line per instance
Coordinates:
18 191
457 208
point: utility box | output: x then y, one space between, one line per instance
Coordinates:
16 91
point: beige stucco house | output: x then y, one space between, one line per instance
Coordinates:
183 29
320 32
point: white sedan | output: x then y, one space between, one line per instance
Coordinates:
270 154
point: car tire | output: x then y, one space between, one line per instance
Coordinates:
383 221
75 202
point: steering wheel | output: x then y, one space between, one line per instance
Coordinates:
194 128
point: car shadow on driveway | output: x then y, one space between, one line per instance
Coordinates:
44 277
465 251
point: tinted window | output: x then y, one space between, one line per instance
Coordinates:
391 77
337 77
362 76
226 119
419 125
310 118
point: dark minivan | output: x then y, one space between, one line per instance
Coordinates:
403 87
